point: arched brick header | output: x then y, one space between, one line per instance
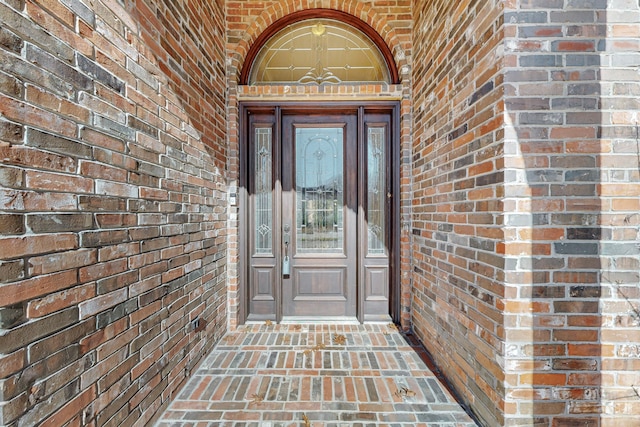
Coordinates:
357 9
319 13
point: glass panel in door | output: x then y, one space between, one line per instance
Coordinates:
319 190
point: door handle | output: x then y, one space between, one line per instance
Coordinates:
286 265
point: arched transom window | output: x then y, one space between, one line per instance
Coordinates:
319 50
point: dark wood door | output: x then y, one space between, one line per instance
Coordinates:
319 216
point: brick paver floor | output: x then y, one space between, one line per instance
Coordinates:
314 375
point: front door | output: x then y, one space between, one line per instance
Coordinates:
319 214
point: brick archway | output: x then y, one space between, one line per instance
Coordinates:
245 23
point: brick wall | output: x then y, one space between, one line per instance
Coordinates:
112 205
619 193
520 180
247 19
551 199
457 190
526 287
572 226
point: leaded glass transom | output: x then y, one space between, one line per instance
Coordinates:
319 51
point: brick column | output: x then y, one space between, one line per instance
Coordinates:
571 213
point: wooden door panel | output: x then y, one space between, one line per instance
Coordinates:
322 283
377 283
264 280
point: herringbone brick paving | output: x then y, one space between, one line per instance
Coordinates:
314 375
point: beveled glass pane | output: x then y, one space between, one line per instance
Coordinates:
376 190
263 191
319 190
319 51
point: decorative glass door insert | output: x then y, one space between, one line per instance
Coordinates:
319 190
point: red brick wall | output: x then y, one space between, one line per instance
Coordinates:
112 205
526 226
458 265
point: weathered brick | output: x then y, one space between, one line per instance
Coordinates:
101 303
10 41
572 16
82 11
90 239
55 223
116 282
142 73
101 203
11 178
116 189
142 126
526 17
67 108
34 287
20 336
541 61
95 71
112 127
151 169
61 261
12 363
58 67
45 347
99 170
10 316
22 156
28 30
58 301
46 181
16 200
78 89
11 224
58 144
542 31
576 248
99 139
11 132
18 111
74 406
11 271
10 86
14 247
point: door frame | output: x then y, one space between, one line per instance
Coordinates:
301 107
